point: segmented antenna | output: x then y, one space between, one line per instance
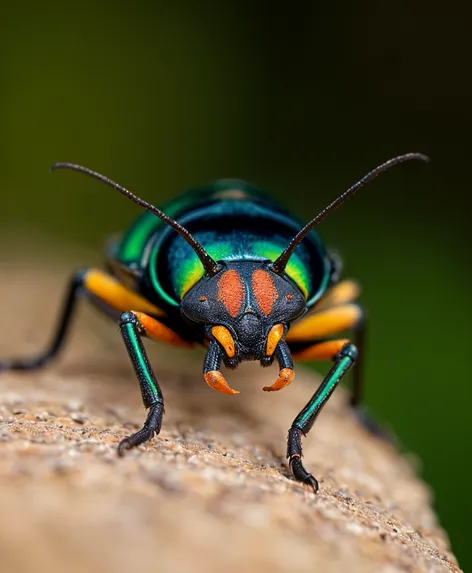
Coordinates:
279 265
208 263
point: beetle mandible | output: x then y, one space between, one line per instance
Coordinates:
236 275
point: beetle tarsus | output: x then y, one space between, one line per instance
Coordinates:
151 426
300 473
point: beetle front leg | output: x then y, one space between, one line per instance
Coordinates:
303 423
132 331
211 370
286 372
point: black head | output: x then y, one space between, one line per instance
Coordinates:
246 300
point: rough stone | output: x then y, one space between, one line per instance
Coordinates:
212 492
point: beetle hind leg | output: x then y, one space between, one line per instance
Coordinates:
360 411
75 289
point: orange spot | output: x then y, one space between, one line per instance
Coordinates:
114 294
224 337
325 323
264 290
203 298
341 293
289 296
215 380
273 339
286 376
231 291
321 351
159 331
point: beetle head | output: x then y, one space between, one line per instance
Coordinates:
246 307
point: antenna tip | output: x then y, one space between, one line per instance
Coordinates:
54 166
423 157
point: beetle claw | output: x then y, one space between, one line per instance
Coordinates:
216 380
286 376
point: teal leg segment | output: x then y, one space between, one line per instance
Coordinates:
153 400
306 418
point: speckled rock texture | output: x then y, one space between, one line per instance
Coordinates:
212 493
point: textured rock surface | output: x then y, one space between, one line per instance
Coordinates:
212 493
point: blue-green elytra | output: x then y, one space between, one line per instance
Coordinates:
227 267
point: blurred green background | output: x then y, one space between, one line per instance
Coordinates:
301 99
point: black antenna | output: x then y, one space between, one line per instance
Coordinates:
208 263
279 265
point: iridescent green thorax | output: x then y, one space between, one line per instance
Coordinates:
186 270
233 221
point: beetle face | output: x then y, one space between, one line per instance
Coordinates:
246 308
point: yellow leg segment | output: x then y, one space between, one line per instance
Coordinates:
321 351
116 295
342 293
325 323
158 331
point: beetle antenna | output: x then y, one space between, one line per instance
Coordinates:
209 264
279 265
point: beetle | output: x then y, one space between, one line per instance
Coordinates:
236 274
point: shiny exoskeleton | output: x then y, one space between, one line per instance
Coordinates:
226 267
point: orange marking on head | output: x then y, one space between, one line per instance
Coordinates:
264 290
231 291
